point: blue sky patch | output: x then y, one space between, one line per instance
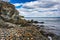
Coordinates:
20 1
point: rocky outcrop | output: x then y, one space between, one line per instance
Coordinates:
13 27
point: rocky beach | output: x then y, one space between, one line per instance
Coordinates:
14 27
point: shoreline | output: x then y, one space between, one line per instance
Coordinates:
43 25
45 32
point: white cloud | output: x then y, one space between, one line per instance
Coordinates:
40 9
18 4
40 4
6 0
50 0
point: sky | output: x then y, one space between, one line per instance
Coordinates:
37 8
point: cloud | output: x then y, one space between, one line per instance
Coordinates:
6 0
39 14
18 4
41 4
50 0
40 8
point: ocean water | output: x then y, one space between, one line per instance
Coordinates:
51 23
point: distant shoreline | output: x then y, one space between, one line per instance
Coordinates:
42 17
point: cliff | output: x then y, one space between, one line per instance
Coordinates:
13 27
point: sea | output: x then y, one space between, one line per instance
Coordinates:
52 24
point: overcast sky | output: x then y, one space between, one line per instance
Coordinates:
37 8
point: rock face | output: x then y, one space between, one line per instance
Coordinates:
11 25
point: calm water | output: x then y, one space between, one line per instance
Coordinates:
48 22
